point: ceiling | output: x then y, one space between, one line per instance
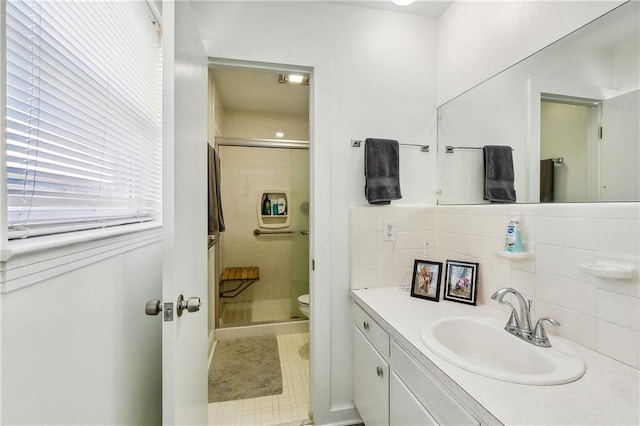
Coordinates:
260 91
426 8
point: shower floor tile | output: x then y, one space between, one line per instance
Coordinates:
289 407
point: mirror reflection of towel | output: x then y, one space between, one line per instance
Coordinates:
498 174
381 171
546 180
216 219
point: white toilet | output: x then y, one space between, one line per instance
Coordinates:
303 304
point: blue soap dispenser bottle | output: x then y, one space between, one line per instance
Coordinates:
513 239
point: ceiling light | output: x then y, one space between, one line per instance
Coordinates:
294 79
279 134
402 2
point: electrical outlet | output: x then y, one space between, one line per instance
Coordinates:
389 230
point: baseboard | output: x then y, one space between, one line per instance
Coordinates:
339 417
301 326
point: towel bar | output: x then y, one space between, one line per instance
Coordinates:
449 149
356 143
257 232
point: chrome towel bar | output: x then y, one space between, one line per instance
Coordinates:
355 143
258 232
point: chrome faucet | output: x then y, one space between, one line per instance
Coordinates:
520 326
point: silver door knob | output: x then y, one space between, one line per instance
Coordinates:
191 305
153 307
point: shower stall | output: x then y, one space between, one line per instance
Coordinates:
263 255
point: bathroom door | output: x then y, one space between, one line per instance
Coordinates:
619 172
184 211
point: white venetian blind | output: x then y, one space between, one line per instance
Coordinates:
84 110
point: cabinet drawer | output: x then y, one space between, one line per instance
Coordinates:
442 406
376 335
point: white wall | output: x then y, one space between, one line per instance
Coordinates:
600 314
77 348
375 262
373 76
479 39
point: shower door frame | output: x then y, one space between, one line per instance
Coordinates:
248 143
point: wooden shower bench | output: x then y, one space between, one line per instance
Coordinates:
243 275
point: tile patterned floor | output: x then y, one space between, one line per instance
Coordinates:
291 407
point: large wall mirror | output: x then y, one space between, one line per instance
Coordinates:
570 113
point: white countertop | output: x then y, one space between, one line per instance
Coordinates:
607 394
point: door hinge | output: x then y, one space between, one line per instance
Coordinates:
313 264
600 132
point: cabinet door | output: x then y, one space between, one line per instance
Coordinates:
440 404
404 408
370 381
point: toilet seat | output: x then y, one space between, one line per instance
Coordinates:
303 304
304 299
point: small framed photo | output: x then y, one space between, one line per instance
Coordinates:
426 279
461 282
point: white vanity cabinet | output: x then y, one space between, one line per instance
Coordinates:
441 405
370 369
404 407
391 388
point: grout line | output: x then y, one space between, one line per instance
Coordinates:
274 409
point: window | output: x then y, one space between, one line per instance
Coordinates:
84 108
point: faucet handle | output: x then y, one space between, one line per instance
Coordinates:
540 334
513 322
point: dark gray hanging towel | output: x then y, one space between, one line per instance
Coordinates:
498 174
381 171
216 219
546 180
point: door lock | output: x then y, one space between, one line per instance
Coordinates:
192 304
154 307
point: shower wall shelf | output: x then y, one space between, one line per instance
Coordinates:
270 220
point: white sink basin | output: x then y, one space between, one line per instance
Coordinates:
483 346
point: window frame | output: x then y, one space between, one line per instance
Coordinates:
24 262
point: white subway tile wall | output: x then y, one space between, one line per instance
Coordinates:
601 314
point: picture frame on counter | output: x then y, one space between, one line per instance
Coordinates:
461 282
427 275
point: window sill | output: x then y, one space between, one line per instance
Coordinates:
30 261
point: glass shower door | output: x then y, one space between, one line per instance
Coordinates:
299 206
